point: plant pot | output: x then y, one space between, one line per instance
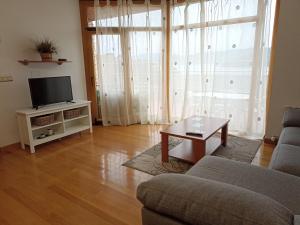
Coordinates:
46 56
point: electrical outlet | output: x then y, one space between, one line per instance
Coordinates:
6 78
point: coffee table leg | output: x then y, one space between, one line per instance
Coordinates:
198 149
224 135
164 147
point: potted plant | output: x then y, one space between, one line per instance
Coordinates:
46 48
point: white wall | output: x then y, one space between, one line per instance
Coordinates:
286 76
20 23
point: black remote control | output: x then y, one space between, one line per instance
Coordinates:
194 134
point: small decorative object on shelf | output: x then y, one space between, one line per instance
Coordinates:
41 136
50 132
46 48
44 135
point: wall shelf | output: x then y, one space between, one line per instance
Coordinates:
26 62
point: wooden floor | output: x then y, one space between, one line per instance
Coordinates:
79 180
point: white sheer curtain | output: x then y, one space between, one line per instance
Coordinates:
219 61
219 55
130 54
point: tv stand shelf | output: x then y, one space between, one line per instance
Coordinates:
30 133
35 127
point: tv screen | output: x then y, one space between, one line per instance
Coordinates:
49 90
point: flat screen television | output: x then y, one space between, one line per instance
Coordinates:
50 90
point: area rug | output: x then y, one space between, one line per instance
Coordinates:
149 161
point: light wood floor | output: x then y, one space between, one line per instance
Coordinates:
79 180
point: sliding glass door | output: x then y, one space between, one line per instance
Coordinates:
108 49
129 63
219 60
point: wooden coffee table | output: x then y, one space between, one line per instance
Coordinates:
193 148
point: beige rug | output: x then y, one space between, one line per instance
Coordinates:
149 161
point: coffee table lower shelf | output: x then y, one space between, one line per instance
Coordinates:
184 150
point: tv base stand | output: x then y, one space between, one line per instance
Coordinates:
33 135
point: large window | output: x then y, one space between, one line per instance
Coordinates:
162 63
129 46
216 68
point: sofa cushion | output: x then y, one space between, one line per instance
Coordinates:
291 117
279 186
286 158
200 201
290 136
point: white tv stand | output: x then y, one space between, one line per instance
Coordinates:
62 127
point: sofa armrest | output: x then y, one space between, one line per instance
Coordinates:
291 117
194 200
297 220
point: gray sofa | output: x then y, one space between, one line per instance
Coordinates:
286 155
218 191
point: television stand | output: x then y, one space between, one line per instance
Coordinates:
33 135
